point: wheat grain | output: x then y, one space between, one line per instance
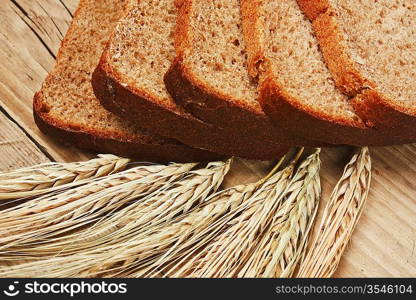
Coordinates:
179 259
156 247
40 179
155 209
164 247
260 229
43 218
229 250
149 247
282 243
98 259
340 217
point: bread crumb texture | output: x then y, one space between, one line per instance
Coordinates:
67 93
297 62
218 55
142 50
381 38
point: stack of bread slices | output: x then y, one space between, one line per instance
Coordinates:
196 80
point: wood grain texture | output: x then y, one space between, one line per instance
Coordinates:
384 242
30 35
16 149
70 5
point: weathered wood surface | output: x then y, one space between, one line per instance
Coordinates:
30 34
16 149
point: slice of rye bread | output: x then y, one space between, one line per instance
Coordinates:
65 107
129 82
296 87
370 48
209 75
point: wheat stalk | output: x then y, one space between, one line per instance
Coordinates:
179 259
340 217
165 247
130 256
54 267
155 209
40 179
39 220
229 250
254 230
283 242
97 259
157 247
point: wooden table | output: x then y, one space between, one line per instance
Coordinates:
384 243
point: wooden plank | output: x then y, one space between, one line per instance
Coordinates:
384 242
29 36
49 20
70 5
16 149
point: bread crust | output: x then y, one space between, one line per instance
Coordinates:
372 106
208 104
312 8
128 102
170 120
288 113
280 107
204 104
146 148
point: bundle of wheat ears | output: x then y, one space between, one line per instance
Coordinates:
110 217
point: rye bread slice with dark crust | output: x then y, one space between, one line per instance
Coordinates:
370 48
297 90
66 107
129 82
209 75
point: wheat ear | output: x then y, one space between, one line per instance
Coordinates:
230 249
340 217
97 260
151 248
39 220
155 209
159 246
40 179
179 259
283 242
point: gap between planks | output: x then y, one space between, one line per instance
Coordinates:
16 149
